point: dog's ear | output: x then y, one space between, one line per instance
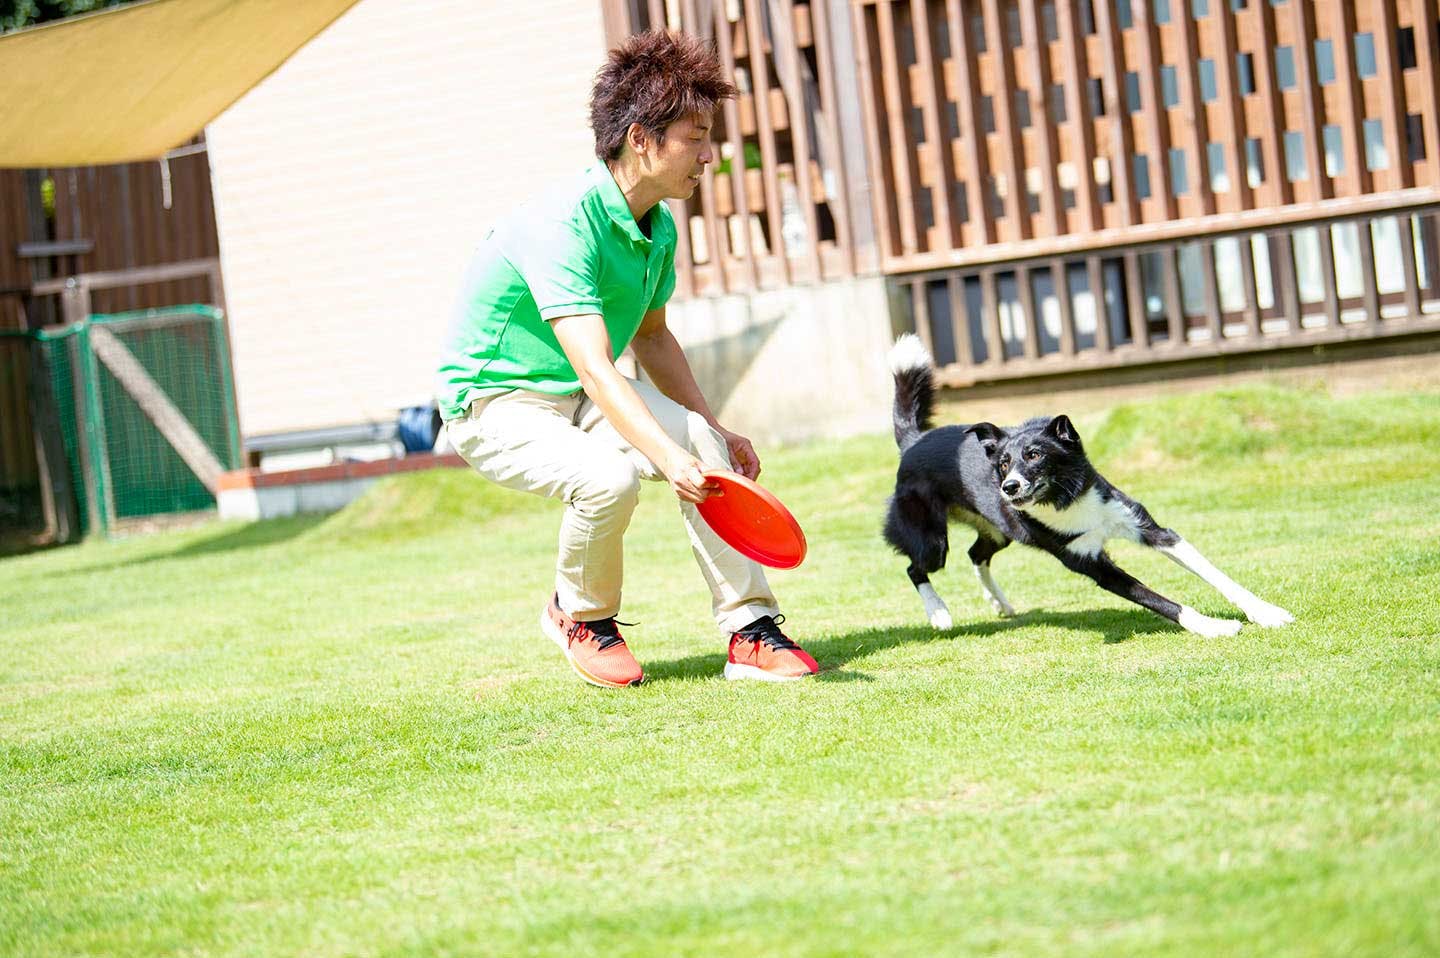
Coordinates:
1062 429
989 435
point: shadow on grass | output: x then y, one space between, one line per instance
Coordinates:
254 535
835 652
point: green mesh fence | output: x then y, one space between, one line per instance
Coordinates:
120 464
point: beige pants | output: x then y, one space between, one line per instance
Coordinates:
563 447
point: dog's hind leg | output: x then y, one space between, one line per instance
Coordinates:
935 609
980 554
1256 609
917 530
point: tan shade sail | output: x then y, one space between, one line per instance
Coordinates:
130 83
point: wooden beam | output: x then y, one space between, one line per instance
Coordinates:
972 137
1077 112
932 88
156 405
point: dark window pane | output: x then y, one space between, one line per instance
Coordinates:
1209 92
1097 96
1057 104
1405 47
1179 175
1415 137
1141 176
1169 86
1245 73
1285 68
1364 55
1324 62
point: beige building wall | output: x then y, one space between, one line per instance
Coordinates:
352 185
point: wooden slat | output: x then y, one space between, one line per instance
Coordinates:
936 136
1352 101
1227 88
1174 299
786 41
1060 279
1095 267
1392 93
994 336
1282 191
1331 289
1153 107
1407 261
1114 82
1247 278
1427 53
1038 53
1312 107
959 319
1017 205
1369 290
1135 303
1077 112
1282 255
920 309
760 85
1213 320
1197 120
1025 292
684 259
871 111
902 157
736 139
972 138
840 203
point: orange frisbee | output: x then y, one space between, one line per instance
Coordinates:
753 521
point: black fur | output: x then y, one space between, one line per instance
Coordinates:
985 476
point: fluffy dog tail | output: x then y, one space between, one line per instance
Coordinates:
913 369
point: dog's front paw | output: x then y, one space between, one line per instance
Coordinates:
940 619
1003 609
1207 626
1269 616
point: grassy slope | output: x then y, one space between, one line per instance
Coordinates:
344 735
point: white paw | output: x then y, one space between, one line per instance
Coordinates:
1003 609
940 619
1206 626
1270 616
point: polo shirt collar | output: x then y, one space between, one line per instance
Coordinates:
619 209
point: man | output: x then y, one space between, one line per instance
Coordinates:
529 388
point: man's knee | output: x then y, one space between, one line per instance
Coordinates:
611 484
705 443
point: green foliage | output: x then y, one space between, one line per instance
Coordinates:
15 14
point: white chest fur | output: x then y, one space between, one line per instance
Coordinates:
1091 520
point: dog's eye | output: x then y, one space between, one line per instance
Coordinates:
1031 455
1004 463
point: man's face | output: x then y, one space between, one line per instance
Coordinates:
681 158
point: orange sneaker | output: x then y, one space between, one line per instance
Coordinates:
761 651
596 650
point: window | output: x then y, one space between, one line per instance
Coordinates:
987 114
1087 18
1254 164
1179 176
1132 92
1215 159
977 32
1245 73
1334 151
1057 104
1295 169
1415 137
1096 91
1169 87
1285 68
1022 109
1239 4
1162 11
1405 47
1200 8
1376 156
1049 29
1324 62
1142 176
1123 19
1364 55
1209 93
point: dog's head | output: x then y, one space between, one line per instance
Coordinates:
1038 463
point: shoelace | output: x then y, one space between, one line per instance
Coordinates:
767 630
606 631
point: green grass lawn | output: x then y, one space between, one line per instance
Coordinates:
346 736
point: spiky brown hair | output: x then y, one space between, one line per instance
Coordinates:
654 79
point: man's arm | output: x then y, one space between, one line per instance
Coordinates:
586 343
662 358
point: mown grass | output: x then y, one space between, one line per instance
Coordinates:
344 735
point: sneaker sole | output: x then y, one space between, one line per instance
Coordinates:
736 671
547 627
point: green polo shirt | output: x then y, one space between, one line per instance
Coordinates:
575 250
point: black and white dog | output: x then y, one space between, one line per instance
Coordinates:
1033 484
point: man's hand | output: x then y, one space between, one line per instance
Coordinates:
742 453
686 476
